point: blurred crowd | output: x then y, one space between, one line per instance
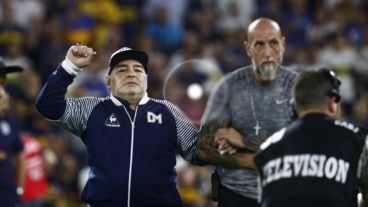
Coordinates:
188 41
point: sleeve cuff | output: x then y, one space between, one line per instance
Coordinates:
70 68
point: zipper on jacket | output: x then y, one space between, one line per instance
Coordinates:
131 151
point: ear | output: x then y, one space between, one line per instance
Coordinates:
296 112
247 48
108 81
333 107
283 42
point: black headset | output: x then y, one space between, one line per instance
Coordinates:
335 82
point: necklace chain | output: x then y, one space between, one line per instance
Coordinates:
257 127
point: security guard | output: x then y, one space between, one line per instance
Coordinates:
315 160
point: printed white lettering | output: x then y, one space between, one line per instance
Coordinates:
322 160
306 159
347 125
305 165
286 172
331 167
152 118
342 172
312 171
271 164
277 174
297 165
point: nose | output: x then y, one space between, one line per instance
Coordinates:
131 72
267 52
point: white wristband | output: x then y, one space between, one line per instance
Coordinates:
70 68
20 191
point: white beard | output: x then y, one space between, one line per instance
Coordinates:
267 72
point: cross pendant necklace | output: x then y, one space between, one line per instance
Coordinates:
257 127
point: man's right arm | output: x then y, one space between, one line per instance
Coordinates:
51 102
69 113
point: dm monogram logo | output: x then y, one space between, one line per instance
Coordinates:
152 118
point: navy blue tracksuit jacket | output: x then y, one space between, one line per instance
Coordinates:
131 154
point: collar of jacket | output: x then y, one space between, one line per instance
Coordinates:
119 102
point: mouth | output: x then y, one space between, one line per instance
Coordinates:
268 62
131 83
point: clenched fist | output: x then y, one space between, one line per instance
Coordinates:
80 55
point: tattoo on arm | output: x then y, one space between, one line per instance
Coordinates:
253 145
208 150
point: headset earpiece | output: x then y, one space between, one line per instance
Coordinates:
335 82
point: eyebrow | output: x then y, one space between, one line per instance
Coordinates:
269 40
126 65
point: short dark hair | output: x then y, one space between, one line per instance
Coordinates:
313 88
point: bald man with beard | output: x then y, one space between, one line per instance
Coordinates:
246 107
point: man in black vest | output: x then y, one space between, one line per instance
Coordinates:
317 160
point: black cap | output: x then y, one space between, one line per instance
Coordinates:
8 69
127 53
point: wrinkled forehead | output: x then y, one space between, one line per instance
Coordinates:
264 36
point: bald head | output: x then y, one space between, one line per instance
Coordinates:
263 25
